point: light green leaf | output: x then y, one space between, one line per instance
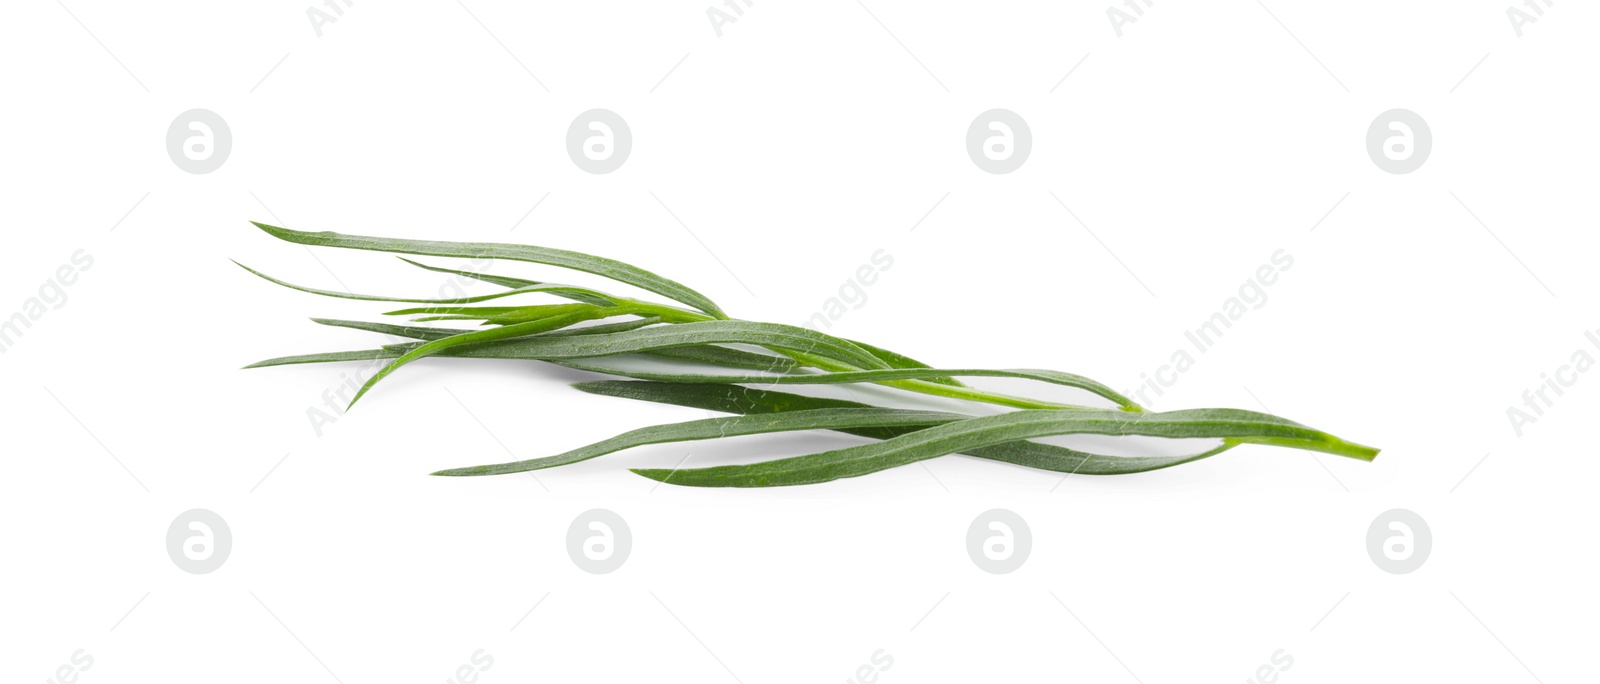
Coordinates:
440 345
897 360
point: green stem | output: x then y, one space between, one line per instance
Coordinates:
668 314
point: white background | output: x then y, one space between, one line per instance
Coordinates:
792 147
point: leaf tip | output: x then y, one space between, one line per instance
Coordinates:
656 474
361 393
269 228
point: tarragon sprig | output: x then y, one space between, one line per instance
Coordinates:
595 329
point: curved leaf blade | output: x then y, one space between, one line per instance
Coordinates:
1231 425
577 261
502 281
327 357
417 332
679 335
437 346
898 360
878 376
581 294
706 354
717 428
749 400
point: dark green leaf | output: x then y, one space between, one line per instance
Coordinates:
609 268
717 428
569 291
749 400
1230 425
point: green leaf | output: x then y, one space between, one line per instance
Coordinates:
897 360
748 400
417 332
714 355
583 294
328 357
440 345
679 335
473 312
716 428
515 283
876 376
604 328
609 268
502 281
496 315
707 354
1231 425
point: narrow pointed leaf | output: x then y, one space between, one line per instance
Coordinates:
412 331
582 294
897 360
327 357
708 354
717 428
502 281
604 328
1231 425
749 400
714 355
877 376
769 335
437 346
609 268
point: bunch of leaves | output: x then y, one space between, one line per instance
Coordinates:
592 330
